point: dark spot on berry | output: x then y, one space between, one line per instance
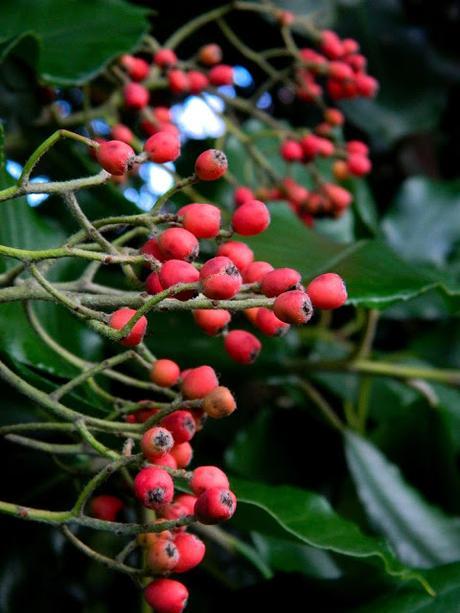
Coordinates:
189 423
156 495
162 439
226 500
170 550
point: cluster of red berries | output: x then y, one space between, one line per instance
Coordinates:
166 447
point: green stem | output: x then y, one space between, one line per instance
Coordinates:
183 32
322 404
174 189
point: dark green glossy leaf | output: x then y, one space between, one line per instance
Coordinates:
421 534
306 517
77 38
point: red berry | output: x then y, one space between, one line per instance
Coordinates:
310 146
174 510
165 373
120 318
178 82
327 291
162 555
331 44
156 442
188 501
359 165
151 249
153 283
240 254
220 278
242 346
163 147
191 551
291 151
339 197
205 477
350 45
242 194
178 244
215 505
256 271
198 81
334 117
280 280
202 220
165 57
293 307
211 165
251 314
181 425
366 85
165 460
340 71
210 54
357 146
137 68
211 321
135 96
219 403
115 157
269 324
122 132
162 114
285 18
221 75
105 507
166 596
198 382
183 454
153 487
251 218
178 271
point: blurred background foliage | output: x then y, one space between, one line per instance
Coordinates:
316 507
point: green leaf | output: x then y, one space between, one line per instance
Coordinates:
445 581
306 517
77 38
375 275
421 534
423 223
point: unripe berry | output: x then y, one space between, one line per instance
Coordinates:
327 291
220 278
115 157
136 67
147 539
251 314
215 505
291 151
165 373
178 244
251 218
280 280
359 165
162 555
210 54
166 596
198 382
219 403
153 283
242 346
178 271
241 195
191 551
188 501
211 321
135 96
334 117
105 507
165 57
182 453
240 254
178 82
202 220
153 487
156 442
162 147
120 318
222 74
256 271
181 425
122 132
293 307
340 170
205 477
211 165
269 324
198 81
